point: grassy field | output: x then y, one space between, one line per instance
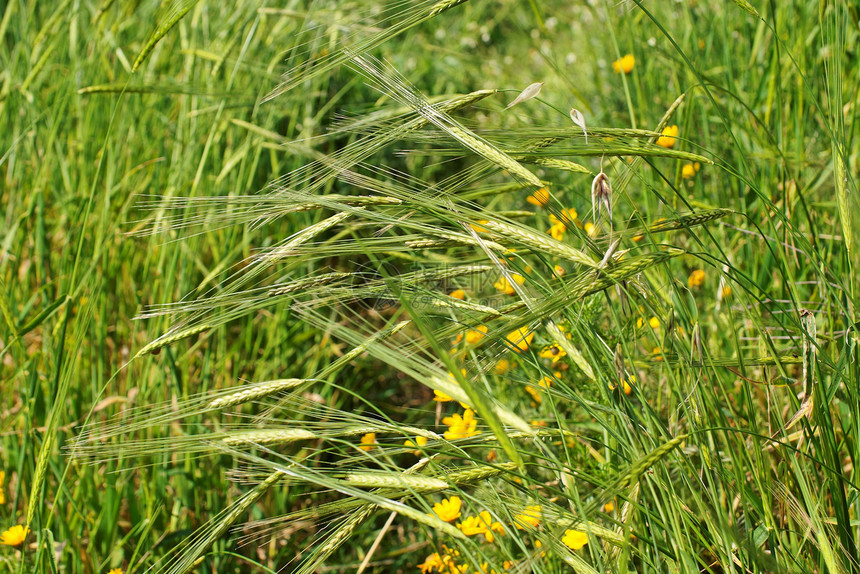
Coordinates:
292 288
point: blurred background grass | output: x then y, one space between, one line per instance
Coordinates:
770 99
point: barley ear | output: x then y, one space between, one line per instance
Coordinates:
174 13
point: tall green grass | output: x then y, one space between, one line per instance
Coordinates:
321 215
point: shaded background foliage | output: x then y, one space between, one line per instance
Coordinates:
79 155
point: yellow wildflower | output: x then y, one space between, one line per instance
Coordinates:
441 397
530 517
502 366
566 218
367 441
539 198
14 536
689 170
654 322
696 278
521 338
553 352
626 386
574 539
431 563
457 294
558 270
452 567
609 506
535 396
481 524
116 571
590 229
727 291
505 287
478 227
449 509
2 492
668 138
624 65
419 441
475 335
460 426
557 231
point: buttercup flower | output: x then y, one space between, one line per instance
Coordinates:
431 563
626 386
502 367
460 426
625 64
535 396
481 524
557 231
667 140
449 509
2 492
609 506
367 441
530 517
553 352
574 539
689 170
521 338
505 287
475 335
441 397
116 571
696 278
566 218
14 536
419 441
457 294
539 198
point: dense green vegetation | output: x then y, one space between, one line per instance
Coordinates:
250 253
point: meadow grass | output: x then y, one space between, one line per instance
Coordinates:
244 248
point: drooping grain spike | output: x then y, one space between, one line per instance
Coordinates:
269 437
254 392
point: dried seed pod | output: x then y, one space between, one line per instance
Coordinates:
531 91
579 120
601 196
